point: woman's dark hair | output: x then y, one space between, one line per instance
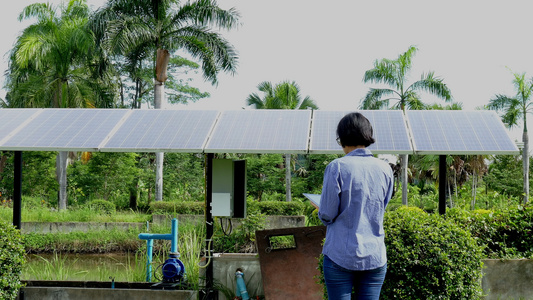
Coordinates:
355 130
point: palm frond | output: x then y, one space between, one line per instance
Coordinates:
405 61
255 101
206 13
500 102
432 85
308 103
373 99
384 71
43 12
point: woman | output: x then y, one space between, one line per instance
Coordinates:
357 188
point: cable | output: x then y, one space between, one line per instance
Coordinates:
210 241
229 226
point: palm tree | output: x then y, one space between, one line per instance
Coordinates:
54 63
394 73
162 27
285 95
516 108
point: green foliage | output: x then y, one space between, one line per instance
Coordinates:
240 239
277 208
116 172
504 233
183 175
430 257
309 173
102 206
184 207
264 174
39 175
505 175
98 241
11 260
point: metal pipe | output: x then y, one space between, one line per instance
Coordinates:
209 293
17 191
149 250
442 184
174 239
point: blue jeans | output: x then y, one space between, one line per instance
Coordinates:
340 281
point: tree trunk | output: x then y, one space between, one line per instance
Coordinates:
288 177
525 163
61 172
404 159
162 60
3 161
474 191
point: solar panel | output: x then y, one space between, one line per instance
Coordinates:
12 120
261 131
459 132
65 129
162 131
389 127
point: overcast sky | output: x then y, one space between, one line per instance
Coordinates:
326 46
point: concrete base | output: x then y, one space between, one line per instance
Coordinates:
507 279
271 222
224 267
64 293
66 227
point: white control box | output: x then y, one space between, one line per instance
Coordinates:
222 205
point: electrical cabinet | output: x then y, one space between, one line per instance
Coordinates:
229 188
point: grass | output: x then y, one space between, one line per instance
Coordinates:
43 213
61 267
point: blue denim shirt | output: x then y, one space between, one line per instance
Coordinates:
356 190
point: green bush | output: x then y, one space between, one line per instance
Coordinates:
504 234
184 207
276 208
270 208
102 206
11 261
430 257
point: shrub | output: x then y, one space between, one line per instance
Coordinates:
103 206
276 208
504 234
185 207
430 257
11 261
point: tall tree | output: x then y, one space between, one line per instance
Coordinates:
394 73
514 109
164 26
54 63
285 95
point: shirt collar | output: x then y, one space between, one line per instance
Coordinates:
360 152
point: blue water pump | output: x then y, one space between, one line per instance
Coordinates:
173 268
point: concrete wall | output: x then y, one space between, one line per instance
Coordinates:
508 279
65 227
502 279
271 222
66 293
225 265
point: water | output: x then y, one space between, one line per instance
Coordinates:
128 267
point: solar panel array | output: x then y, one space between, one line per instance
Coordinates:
261 131
65 129
12 119
459 132
390 132
248 131
162 131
